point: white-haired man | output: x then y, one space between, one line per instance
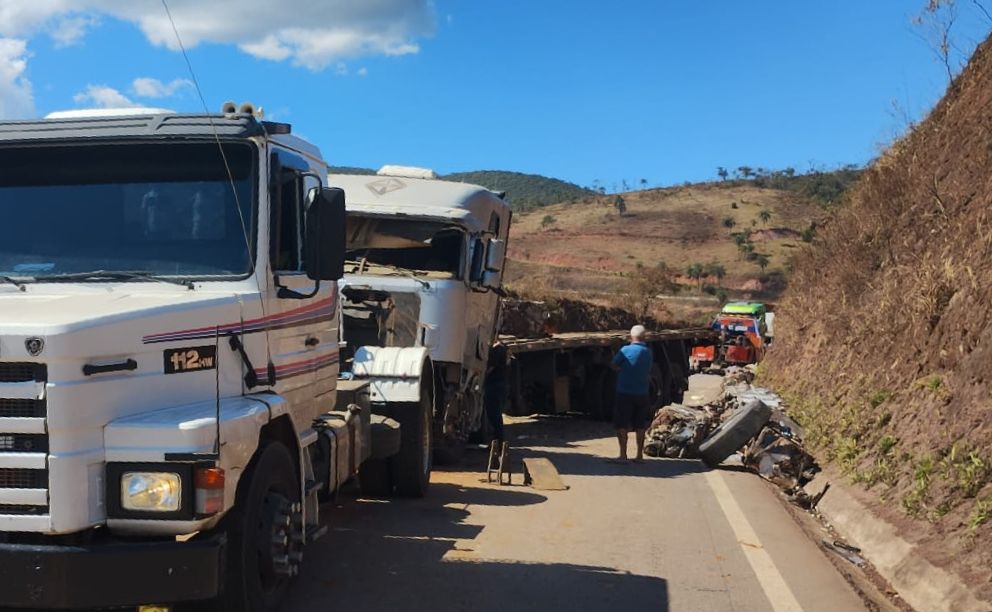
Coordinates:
632 411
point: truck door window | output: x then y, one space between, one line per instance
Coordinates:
287 224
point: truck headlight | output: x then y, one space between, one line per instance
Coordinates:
151 491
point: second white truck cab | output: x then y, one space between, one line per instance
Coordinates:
424 268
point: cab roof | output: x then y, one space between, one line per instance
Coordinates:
470 206
133 124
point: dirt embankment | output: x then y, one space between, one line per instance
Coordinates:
884 338
537 319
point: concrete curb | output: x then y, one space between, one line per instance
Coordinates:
921 584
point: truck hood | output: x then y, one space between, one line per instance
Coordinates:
105 320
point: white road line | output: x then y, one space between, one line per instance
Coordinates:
770 579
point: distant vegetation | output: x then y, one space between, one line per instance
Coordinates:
525 191
349 170
824 186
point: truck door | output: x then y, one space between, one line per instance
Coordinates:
300 329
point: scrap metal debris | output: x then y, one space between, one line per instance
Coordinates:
776 454
677 431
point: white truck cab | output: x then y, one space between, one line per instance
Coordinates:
169 349
424 268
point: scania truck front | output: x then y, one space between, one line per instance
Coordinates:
168 359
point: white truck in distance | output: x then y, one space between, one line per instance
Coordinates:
170 409
422 279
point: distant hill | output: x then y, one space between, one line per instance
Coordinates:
349 170
525 191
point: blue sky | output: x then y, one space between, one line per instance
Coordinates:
580 90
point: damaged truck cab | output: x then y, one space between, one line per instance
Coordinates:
424 267
170 408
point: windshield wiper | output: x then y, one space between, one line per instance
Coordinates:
13 281
112 275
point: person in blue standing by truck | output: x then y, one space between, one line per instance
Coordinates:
632 410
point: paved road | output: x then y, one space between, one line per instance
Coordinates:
664 535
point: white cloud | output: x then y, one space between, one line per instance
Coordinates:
102 96
363 71
69 30
16 96
311 33
146 87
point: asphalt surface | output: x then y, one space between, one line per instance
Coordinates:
662 535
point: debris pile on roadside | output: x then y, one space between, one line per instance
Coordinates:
677 430
745 419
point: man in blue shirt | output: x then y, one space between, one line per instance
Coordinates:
632 411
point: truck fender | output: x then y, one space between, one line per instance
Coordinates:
394 373
188 431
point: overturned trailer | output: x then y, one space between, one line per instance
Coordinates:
571 372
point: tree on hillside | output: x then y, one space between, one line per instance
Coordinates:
717 271
765 216
729 222
722 173
744 171
644 183
762 260
547 220
626 187
696 272
644 285
620 205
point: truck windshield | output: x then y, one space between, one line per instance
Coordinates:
410 244
143 209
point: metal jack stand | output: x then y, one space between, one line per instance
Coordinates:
499 463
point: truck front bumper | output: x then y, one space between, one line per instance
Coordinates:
109 575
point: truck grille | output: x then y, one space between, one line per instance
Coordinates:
23 441
21 509
15 372
22 408
20 478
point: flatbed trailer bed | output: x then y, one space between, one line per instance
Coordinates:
570 372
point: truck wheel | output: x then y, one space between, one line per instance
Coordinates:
593 392
411 467
660 391
735 432
608 395
261 549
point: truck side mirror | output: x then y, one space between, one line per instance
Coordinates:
325 235
495 255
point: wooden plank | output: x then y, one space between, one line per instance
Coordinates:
541 474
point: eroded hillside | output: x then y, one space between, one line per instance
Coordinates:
884 338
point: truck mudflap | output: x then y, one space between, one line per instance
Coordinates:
110 575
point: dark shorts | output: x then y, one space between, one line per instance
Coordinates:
632 412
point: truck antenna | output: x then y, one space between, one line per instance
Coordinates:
237 203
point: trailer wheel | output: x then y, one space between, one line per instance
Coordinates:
593 392
660 391
411 467
608 395
259 534
735 432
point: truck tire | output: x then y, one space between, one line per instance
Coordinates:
592 392
660 390
253 582
735 432
411 467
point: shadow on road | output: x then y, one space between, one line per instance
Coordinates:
418 555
